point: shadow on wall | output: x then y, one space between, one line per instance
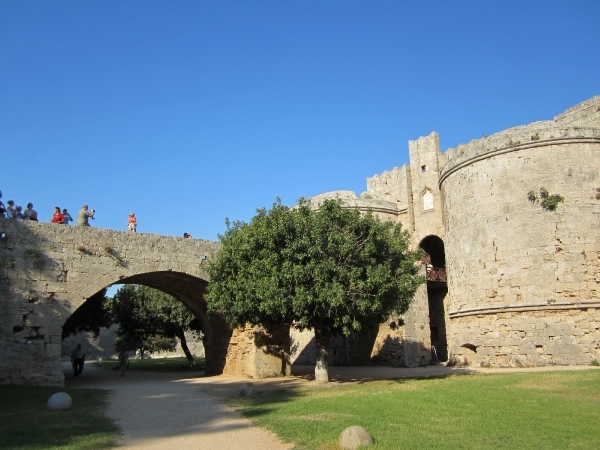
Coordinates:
353 350
31 309
274 341
398 352
359 349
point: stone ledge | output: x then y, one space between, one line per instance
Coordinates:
522 308
451 168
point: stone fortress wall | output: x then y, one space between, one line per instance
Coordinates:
523 283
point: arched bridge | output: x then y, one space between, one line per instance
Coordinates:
47 271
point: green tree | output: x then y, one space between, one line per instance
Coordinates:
149 320
334 270
90 316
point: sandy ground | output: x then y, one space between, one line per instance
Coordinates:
168 412
172 412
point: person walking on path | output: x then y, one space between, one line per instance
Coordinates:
131 223
67 217
57 217
84 215
30 213
123 362
77 358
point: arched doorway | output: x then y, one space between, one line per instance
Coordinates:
437 289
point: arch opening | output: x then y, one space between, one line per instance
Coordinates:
434 258
190 291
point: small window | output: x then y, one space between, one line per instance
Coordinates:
423 168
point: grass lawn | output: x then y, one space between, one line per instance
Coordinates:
551 410
160 364
26 424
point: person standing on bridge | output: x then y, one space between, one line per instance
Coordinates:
30 213
132 223
2 207
57 217
67 216
84 215
10 210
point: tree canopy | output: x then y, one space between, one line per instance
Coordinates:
331 269
149 320
90 316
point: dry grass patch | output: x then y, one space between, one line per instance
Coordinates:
321 417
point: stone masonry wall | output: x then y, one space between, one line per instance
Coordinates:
424 171
529 338
525 282
47 271
257 353
392 185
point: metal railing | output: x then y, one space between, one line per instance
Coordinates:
436 274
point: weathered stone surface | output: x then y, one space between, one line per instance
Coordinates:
256 353
49 270
61 401
354 437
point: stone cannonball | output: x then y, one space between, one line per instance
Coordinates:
246 390
354 437
61 401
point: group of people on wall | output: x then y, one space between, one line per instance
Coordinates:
61 217
16 212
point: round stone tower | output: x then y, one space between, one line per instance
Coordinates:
524 277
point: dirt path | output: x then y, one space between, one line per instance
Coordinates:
167 411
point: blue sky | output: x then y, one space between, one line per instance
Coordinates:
190 112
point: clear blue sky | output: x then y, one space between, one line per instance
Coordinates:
190 112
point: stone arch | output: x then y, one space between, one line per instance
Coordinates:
434 247
55 269
189 290
437 291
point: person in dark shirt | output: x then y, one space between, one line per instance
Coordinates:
77 358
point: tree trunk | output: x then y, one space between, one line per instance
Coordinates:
322 338
185 349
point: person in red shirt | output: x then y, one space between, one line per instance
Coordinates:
132 223
58 216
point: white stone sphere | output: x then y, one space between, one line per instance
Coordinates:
246 390
354 437
61 401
